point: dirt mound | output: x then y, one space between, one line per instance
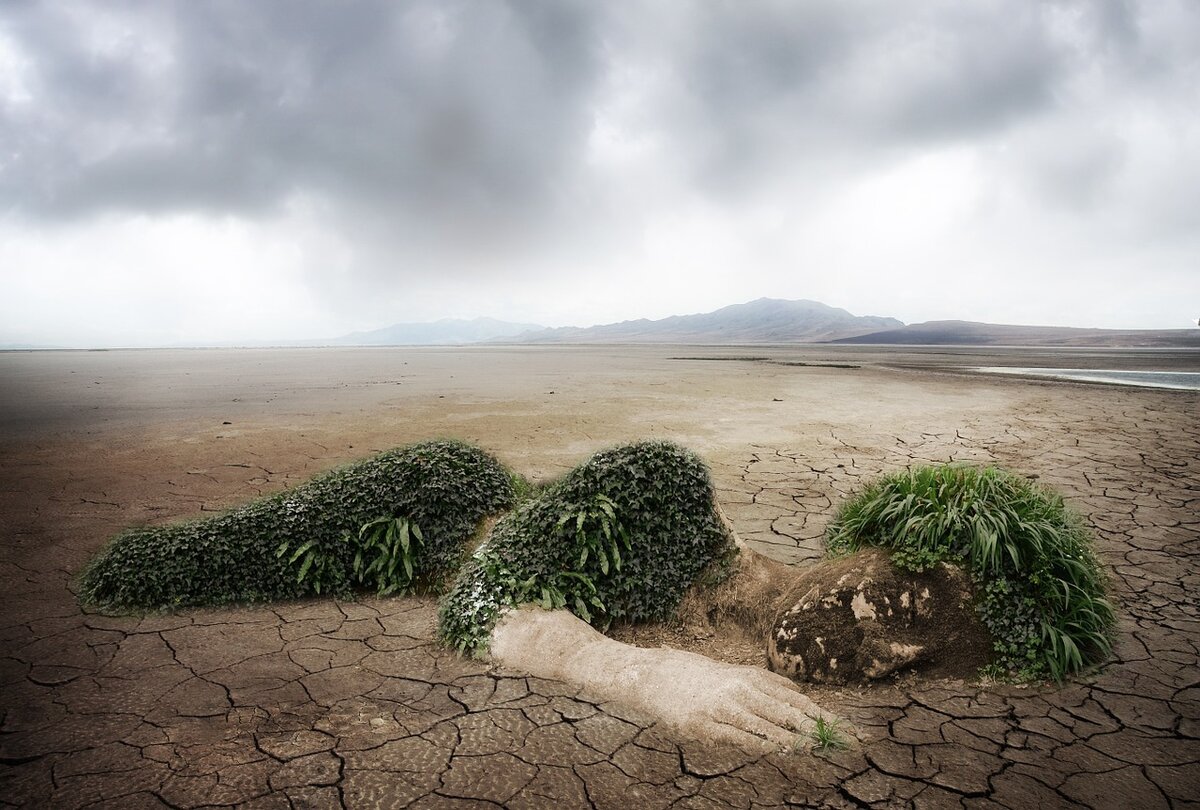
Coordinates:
860 618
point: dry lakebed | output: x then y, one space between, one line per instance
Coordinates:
322 703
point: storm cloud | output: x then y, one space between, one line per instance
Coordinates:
543 160
235 106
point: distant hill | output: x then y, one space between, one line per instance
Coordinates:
972 333
767 320
448 331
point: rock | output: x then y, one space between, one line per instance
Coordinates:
861 618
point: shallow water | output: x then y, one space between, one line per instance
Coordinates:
1178 380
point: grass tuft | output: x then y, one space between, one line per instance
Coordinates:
826 735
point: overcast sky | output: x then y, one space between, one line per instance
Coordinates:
212 171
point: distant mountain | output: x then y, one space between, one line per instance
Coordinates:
448 331
767 320
972 333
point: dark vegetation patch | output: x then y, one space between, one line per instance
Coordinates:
397 520
756 359
812 365
751 359
1039 586
620 538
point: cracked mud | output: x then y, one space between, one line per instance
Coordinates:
326 704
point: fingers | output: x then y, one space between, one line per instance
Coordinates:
764 739
780 710
776 683
784 691
777 713
760 717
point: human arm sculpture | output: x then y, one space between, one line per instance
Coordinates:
702 698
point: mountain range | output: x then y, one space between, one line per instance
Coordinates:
972 333
765 320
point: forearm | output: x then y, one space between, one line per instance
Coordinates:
703 698
556 644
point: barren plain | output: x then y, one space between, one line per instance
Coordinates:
328 704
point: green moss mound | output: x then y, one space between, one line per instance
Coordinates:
621 537
443 488
1040 586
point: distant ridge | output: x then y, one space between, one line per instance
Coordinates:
766 320
446 332
973 333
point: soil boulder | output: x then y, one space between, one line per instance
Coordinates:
860 618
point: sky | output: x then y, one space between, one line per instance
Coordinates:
205 171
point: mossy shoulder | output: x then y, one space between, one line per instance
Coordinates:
341 530
621 537
1040 588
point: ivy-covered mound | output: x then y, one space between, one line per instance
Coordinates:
621 537
1039 586
401 517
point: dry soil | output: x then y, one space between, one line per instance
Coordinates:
324 704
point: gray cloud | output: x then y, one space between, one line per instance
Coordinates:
233 106
806 83
488 106
475 110
516 140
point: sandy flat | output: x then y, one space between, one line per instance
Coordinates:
324 703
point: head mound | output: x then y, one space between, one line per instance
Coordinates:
1039 586
621 537
424 502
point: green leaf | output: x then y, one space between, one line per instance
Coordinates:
308 561
300 551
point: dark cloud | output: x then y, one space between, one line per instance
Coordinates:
462 136
233 106
482 109
806 84
457 109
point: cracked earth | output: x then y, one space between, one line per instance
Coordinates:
352 704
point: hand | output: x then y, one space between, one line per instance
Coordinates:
710 700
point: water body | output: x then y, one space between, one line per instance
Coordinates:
1178 380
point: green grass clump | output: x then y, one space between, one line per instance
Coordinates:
826 735
1039 584
399 518
621 537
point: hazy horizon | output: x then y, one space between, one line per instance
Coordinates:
520 330
195 174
